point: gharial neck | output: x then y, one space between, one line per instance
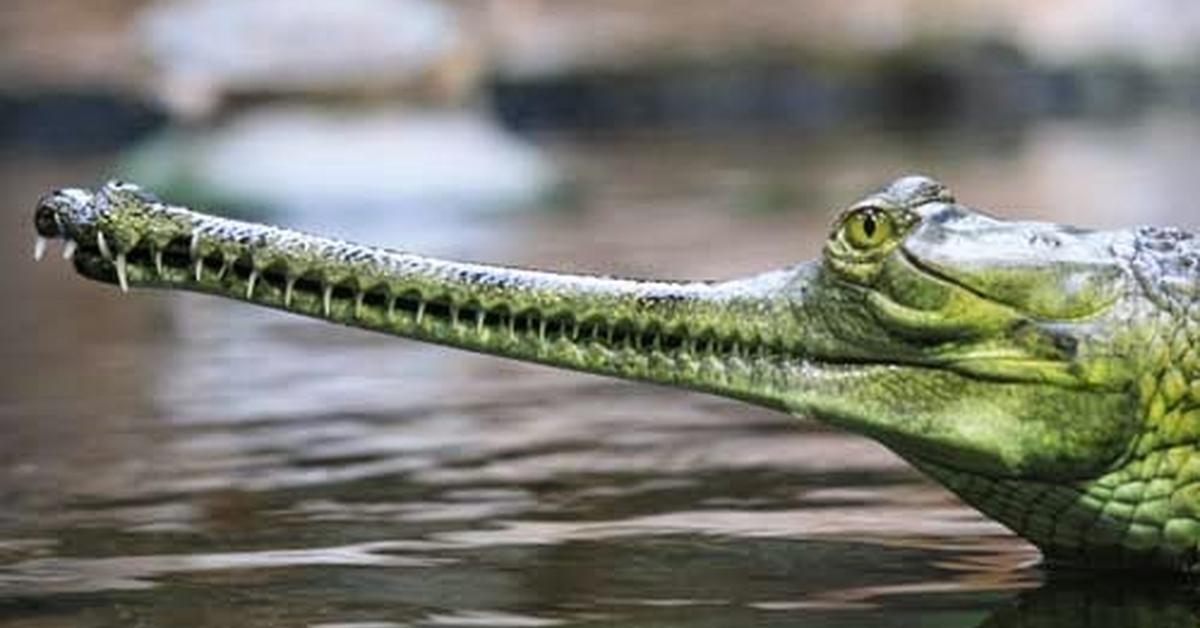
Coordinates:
1144 510
730 338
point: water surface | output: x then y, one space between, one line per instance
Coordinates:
173 459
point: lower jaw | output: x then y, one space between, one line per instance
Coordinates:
759 379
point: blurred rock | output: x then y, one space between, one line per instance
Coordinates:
326 159
207 51
541 37
89 41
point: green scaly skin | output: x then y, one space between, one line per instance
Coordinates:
1045 374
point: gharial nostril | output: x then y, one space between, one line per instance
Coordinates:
45 218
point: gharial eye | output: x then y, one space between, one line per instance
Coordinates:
868 228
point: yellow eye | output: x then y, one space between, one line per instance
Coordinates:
868 228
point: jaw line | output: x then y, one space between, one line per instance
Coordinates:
89 261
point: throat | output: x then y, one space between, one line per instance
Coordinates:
1135 517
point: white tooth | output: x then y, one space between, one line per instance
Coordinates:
250 283
68 251
39 248
121 278
327 299
158 261
287 291
102 244
199 266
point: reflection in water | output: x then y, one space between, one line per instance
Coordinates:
1102 601
177 460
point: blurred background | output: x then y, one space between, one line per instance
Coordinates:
172 459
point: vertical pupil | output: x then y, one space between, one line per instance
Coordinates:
868 225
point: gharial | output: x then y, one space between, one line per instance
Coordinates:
1046 374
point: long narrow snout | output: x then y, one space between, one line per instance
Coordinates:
727 337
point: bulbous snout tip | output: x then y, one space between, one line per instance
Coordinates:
55 207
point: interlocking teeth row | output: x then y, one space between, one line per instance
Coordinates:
400 305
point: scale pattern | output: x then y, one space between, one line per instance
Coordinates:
1147 509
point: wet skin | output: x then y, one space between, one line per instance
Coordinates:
1046 374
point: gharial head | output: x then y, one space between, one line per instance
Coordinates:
963 340
948 334
1047 374
975 347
